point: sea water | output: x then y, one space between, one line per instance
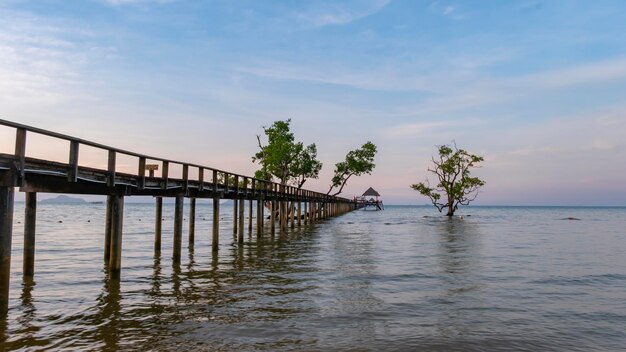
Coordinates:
406 278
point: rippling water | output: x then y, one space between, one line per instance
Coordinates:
500 278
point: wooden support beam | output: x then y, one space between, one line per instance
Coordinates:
273 218
141 172
216 224
178 229
111 169
20 153
185 176
117 217
7 195
108 230
235 214
241 220
158 225
201 179
192 221
30 219
259 217
292 212
299 213
165 174
250 206
215 182
72 173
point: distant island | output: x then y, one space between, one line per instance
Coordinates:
63 199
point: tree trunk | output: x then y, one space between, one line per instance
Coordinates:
450 210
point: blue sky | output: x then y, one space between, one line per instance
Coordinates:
537 87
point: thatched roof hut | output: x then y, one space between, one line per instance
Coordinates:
371 193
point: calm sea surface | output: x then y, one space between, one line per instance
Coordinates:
504 278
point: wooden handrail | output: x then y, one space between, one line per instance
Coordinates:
274 187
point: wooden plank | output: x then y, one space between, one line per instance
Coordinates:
72 173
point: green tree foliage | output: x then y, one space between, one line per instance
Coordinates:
456 186
284 158
359 161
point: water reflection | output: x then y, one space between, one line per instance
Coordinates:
459 245
459 257
109 315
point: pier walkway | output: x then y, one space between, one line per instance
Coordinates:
289 206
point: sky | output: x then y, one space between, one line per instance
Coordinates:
536 87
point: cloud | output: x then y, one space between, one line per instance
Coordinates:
131 2
339 13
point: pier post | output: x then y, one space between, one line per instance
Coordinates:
158 225
192 221
241 220
29 234
108 230
216 224
299 213
259 217
117 217
273 218
235 213
292 212
306 212
178 228
7 195
250 205
282 213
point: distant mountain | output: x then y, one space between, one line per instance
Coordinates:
63 199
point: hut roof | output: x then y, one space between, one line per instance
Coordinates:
371 192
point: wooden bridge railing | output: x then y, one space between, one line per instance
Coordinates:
40 175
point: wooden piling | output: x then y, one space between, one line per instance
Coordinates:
235 213
7 195
192 221
29 234
299 213
273 218
282 215
250 205
292 215
158 225
259 217
216 224
117 217
241 220
108 230
178 229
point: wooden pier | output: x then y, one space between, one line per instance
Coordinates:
290 206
